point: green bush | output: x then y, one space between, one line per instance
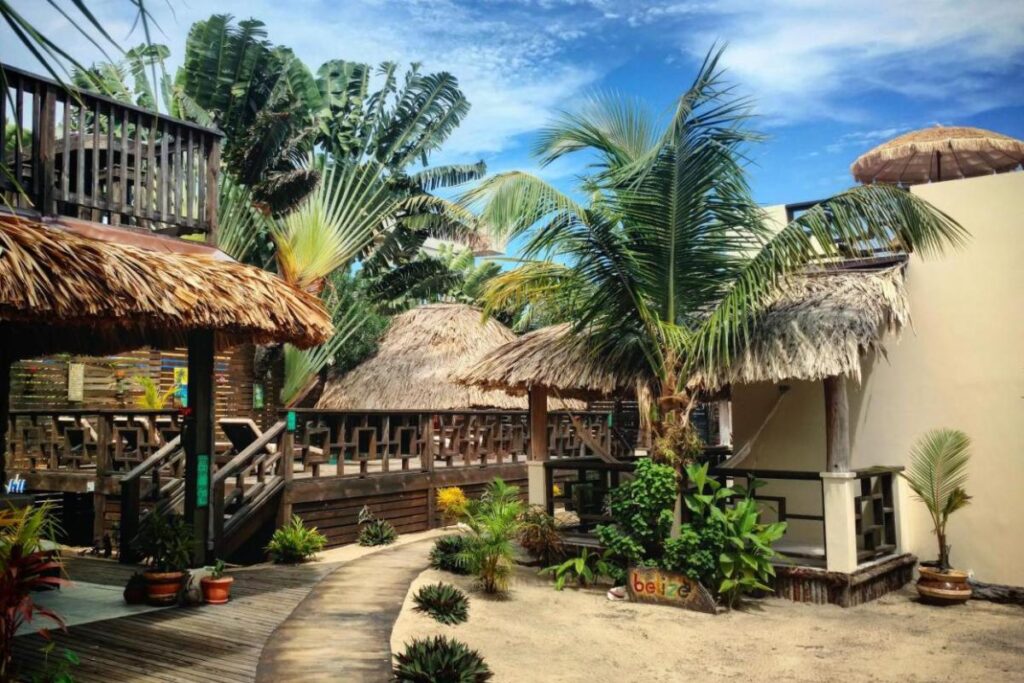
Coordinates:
444 602
373 531
583 570
440 660
642 510
164 542
539 535
493 522
445 554
294 542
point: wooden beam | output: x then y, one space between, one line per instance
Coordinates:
837 425
538 424
5 410
198 440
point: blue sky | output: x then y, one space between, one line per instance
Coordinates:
830 80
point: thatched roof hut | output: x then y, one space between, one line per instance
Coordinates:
819 326
413 366
549 358
66 285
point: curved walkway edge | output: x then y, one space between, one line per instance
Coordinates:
341 631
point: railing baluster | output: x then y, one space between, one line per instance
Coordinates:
164 172
65 154
80 157
94 195
189 176
19 131
138 200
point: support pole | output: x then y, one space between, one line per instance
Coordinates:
539 491
837 425
5 410
198 443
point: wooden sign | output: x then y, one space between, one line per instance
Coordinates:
76 381
649 584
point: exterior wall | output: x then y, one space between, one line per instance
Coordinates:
961 366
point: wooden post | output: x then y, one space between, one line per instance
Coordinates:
538 424
47 145
837 425
5 410
284 513
198 441
212 172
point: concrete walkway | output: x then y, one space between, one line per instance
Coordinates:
342 630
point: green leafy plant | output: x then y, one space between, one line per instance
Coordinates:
373 531
151 396
937 474
440 659
642 510
442 601
294 542
539 535
724 545
58 670
493 523
445 554
217 570
164 542
583 570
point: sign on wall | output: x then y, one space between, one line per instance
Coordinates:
76 381
648 584
202 481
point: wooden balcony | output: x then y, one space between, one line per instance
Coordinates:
83 155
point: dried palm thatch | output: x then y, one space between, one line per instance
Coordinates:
62 290
939 153
818 327
550 358
413 366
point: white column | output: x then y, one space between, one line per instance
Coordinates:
725 423
900 498
538 490
839 490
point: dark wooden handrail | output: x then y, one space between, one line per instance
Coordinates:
131 494
152 461
256 448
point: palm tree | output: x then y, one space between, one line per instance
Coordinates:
666 261
937 474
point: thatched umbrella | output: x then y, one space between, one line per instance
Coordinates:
415 362
939 153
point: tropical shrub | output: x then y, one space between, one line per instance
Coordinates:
24 568
539 535
294 542
451 501
445 554
493 523
642 510
583 570
164 542
373 531
444 602
437 659
58 670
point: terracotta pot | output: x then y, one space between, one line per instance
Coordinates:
135 592
943 587
216 591
162 588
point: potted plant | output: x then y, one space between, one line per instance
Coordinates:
937 474
135 590
165 544
216 586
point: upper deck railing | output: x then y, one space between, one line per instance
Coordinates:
80 154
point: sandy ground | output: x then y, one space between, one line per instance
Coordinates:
539 634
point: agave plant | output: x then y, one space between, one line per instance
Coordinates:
937 474
443 602
434 659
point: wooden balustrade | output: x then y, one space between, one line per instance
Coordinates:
80 154
164 471
77 440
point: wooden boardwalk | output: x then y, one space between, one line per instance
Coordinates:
342 630
214 644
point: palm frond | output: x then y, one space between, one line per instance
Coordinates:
937 472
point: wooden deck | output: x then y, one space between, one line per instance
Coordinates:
216 644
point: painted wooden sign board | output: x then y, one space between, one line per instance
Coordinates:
203 481
76 381
649 584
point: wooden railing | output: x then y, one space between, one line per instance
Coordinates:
364 443
81 154
164 472
77 440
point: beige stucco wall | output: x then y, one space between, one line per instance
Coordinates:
962 366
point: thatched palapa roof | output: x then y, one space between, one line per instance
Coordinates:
939 153
550 358
65 286
414 363
819 326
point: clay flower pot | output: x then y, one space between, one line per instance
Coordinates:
216 591
943 587
162 588
135 591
